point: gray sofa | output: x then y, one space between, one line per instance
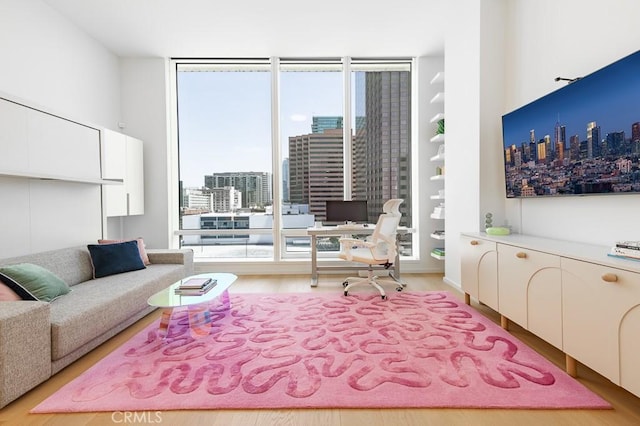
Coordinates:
38 339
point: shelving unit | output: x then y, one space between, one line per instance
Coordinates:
438 213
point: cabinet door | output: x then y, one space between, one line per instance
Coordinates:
122 159
14 145
479 270
601 310
134 180
530 291
75 148
114 154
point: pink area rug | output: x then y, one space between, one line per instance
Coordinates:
325 350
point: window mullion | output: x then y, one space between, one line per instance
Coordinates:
346 128
276 156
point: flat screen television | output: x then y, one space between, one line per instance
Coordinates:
346 211
578 140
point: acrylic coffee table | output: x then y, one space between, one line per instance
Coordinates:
168 300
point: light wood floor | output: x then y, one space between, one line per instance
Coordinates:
626 407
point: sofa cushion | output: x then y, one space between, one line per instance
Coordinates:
6 294
141 248
33 282
110 259
96 306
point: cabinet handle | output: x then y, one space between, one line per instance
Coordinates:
609 277
474 242
521 255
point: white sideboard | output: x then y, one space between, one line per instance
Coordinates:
570 294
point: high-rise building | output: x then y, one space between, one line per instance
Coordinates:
381 150
285 180
635 138
574 147
593 140
541 155
382 144
321 123
225 200
316 170
256 187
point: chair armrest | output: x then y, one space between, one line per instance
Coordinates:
355 242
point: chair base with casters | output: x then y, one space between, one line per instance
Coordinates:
379 250
372 280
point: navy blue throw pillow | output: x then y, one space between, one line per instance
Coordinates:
110 259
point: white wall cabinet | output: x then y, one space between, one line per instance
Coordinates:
572 295
123 159
50 178
36 144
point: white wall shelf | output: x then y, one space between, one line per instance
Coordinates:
439 157
439 97
439 116
438 213
438 138
438 78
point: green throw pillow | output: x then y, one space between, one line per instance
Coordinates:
41 283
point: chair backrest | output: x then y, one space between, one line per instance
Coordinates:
384 236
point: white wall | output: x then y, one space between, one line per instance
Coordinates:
50 63
569 38
474 100
145 115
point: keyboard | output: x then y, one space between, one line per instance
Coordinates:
349 227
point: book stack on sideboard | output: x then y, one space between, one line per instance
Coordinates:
626 250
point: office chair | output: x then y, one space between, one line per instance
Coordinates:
380 249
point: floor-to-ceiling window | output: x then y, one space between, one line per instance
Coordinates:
263 144
224 147
311 136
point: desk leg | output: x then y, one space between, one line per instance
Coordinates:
314 262
396 263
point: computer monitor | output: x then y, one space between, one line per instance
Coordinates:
339 211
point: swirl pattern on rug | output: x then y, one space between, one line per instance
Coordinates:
324 350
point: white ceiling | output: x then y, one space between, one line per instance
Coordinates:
261 28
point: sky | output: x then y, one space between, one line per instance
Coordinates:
610 97
224 118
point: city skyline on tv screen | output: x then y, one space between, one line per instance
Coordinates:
581 139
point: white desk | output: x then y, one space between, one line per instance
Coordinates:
325 231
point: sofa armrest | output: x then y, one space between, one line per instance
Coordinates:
25 347
173 256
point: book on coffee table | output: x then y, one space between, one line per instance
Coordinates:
195 286
194 283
